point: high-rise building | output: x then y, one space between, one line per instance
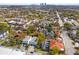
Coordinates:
42 4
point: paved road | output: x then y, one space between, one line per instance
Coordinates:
59 19
69 49
67 43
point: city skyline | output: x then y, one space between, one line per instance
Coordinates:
37 2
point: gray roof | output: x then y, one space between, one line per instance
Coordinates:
2 32
30 40
75 27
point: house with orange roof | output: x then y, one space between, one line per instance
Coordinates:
56 43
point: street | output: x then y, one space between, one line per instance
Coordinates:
69 49
59 19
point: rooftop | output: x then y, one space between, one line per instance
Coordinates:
57 43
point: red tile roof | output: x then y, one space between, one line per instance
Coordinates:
57 43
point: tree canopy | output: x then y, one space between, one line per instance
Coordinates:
77 32
49 27
67 25
31 30
55 50
3 26
41 38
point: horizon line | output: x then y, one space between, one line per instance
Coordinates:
38 4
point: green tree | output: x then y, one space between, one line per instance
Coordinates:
55 50
12 42
67 25
77 32
31 30
49 27
41 37
3 26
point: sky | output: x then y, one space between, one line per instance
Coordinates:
27 2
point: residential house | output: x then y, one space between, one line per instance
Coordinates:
74 27
56 27
57 43
31 50
77 18
76 45
57 33
45 44
51 34
30 41
3 34
44 23
66 19
72 34
51 43
12 23
18 23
